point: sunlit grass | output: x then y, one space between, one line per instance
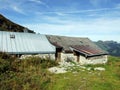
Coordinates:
90 79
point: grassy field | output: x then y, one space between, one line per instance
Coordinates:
90 79
32 74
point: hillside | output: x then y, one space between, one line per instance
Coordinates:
7 25
112 47
32 74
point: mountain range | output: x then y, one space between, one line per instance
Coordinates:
112 47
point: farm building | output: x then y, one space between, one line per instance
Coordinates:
61 48
25 43
80 50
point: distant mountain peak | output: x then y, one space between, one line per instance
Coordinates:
8 25
112 47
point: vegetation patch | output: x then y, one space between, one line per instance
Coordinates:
32 74
25 74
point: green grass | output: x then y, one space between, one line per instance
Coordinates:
32 74
26 74
90 80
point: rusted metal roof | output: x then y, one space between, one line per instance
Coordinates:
66 42
87 50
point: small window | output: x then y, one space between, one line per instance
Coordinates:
12 36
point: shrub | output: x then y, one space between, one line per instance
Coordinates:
4 66
26 74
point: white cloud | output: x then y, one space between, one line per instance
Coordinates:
49 28
90 12
12 5
60 13
95 29
40 2
117 5
21 6
99 3
15 8
36 1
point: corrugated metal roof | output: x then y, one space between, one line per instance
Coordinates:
24 43
87 50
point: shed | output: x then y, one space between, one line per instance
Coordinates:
78 49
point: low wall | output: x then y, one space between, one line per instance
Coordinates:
93 60
50 56
83 60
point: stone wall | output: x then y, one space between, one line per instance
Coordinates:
68 56
83 60
50 56
71 57
93 60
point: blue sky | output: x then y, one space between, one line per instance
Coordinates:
95 19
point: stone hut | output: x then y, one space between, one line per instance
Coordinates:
81 50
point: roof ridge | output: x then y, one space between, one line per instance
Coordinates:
67 36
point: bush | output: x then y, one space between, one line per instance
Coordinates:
4 66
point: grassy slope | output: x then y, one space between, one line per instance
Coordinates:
28 74
31 74
90 80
